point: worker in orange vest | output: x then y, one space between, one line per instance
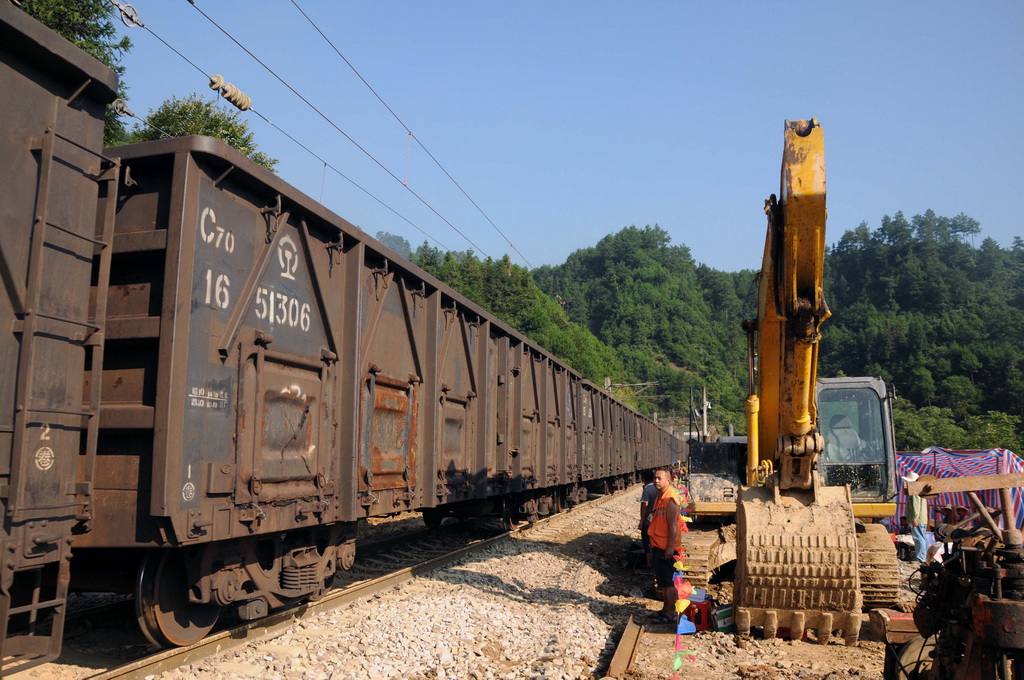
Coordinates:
664 535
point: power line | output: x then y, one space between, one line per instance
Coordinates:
411 133
122 110
335 126
349 179
130 19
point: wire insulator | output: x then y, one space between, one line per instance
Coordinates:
242 101
129 15
121 108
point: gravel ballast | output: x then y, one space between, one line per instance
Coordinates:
550 603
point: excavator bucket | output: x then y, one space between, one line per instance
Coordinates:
797 563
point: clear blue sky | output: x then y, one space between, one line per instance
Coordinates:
566 121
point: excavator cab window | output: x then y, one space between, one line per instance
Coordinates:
851 421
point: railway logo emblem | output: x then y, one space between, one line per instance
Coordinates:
188 492
288 257
45 458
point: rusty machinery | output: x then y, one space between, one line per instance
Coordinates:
970 611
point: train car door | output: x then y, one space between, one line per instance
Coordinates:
459 347
393 321
556 424
589 439
286 367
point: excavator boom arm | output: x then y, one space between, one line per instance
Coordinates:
802 561
797 560
791 309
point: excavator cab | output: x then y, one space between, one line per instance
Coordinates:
855 418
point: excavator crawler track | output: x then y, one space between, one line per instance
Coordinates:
879 568
697 550
707 550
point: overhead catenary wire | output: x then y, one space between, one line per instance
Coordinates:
350 180
131 19
122 111
412 135
336 127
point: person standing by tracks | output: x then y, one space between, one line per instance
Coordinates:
917 515
664 535
647 499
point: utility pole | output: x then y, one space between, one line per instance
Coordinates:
704 406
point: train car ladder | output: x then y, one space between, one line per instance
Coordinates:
33 597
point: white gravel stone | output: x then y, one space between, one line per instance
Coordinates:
531 607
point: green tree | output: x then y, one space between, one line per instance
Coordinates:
195 115
88 24
916 302
995 430
428 257
917 429
397 243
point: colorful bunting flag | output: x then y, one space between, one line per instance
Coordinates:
685 626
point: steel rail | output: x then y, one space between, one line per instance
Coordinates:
277 622
626 650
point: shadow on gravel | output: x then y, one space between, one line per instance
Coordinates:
594 571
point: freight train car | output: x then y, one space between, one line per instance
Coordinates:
273 375
51 174
265 375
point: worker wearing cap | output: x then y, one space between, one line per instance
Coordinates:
917 515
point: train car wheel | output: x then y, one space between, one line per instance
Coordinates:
163 610
573 497
507 521
347 554
433 517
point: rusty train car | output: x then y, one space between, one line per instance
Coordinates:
52 173
217 378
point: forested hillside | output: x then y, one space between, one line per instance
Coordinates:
673 322
940 318
916 302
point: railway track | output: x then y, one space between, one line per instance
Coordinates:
383 563
274 330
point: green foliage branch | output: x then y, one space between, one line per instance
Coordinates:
89 25
195 115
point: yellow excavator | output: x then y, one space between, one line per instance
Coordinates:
797 561
855 418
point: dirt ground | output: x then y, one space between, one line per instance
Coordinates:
717 655
722 656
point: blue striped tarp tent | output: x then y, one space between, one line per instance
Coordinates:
945 463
